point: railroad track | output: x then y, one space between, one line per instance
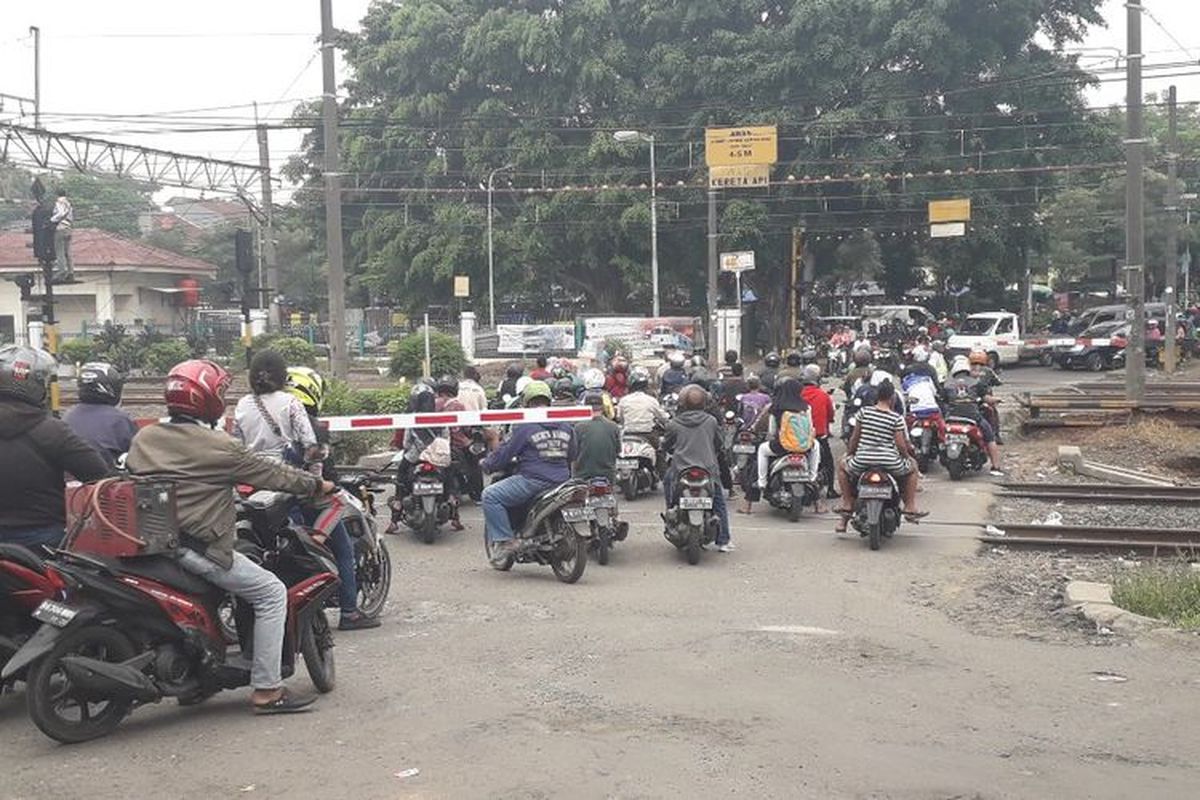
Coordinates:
1103 493
1157 541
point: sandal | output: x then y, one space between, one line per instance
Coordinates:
842 525
286 703
915 516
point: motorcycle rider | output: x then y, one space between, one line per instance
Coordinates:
593 386
617 383
879 440
789 399
640 413
982 372
96 419
937 360
675 377
446 399
420 444
540 372
966 395
599 444
733 385
206 464
753 400
731 358
770 371
543 452
37 448
693 438
470 391
821 403
509 390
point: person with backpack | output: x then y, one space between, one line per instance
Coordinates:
789 428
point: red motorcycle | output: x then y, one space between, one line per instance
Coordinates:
135 630
965 449
928 432
25 581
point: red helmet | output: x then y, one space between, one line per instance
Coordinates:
619 364
197 389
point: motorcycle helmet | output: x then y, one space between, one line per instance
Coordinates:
537 393
308 387
558 372
639 379
421 398
514 371
522 383
731 357
960 365
100 384
811 374
447 385
26 373
772 360
564 387
939 346
197 389
794 359
676 360
698 361
593 379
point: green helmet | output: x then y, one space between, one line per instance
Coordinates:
537 389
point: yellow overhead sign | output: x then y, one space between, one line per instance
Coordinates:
462 285
745 177
731 147
958 210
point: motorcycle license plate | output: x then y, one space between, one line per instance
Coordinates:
578 514
794 476
627 464
630 448
957 438
695 503
422 489
875 492
744 448
602 501
54 613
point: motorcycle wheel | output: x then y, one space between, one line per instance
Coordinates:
955 468
692 550
631 489
49 697
570 558
603 541
373 571
797 504
316 645
427 533
874 535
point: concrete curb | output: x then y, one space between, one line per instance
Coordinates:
1093 601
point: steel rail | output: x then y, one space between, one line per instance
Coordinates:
1108 493
1167 540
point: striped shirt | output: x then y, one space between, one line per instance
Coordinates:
877 438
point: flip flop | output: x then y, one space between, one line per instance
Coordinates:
915 516
286 703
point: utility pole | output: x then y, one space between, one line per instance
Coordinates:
713 259
36 32
1135 244
654 229
1172 274
333 199
491 187
268 246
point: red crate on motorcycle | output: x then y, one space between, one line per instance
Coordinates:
119 517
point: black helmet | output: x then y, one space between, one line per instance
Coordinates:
100 384
731 357
772 360
26 373
639 379
447 384
564 387
514 371
794 359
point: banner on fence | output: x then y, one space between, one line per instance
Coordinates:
643 335
535 339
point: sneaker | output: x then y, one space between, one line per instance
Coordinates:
728 547
358 621
501 553
997 473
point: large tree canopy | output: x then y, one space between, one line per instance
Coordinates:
896 101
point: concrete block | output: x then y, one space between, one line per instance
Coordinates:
1079 592
1070 459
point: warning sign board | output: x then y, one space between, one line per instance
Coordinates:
744 177
957 210
733 147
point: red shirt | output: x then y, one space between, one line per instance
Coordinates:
822 408
539 374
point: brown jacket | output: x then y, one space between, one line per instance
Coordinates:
205 465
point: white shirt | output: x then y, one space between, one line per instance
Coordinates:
640 413
63 214
471 395
938 362
257 434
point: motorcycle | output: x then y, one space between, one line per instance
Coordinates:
965 450
636 467
372 563
553 530
692 524
469 464
428 504
926 432
135 630
877 507
25 581
605 525
745 451
788 485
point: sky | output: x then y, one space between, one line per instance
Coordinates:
147 57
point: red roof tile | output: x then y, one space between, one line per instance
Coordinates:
100 249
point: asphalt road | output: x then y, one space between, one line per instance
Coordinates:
801 665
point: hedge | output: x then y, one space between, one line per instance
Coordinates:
408 355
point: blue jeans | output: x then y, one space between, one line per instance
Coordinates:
503 495
342 548
719 506
34 538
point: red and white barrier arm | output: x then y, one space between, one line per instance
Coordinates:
456 419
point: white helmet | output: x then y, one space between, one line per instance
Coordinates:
522 382
961 364
920 355
593 379
879 376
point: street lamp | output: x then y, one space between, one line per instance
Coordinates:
491 251
638 136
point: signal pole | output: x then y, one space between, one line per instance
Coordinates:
1135 237
36 32
1172 209
333 199
268 231
713 259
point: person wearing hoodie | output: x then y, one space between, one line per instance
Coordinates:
693 438
36 448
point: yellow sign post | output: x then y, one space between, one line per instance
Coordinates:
735 147
957 210
462 285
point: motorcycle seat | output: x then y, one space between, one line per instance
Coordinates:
21 555
165 570
962 420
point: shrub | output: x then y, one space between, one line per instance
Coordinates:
342 400
295 351
445 354
76 351
159 357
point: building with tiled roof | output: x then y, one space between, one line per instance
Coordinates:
120 280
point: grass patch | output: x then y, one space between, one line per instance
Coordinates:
1171 594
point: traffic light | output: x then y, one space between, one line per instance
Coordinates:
43 235
243 252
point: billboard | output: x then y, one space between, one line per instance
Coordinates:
644 335
534 339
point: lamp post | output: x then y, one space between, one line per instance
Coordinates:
637 136
491 250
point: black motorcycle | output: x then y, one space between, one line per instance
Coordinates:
553 530
877 508
425 502
692 524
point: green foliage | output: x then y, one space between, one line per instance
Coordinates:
296 352
1171 594
160 357
104 201
445 353
76 351
343 400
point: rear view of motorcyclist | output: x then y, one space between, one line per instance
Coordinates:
693 438
36 448
599 444
206 464
543 453
770 371
96 419
639 411
593 386
965 395
617 383
675 376
509 390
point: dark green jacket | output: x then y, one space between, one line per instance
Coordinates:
599 445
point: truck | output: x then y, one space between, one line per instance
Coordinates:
1002 336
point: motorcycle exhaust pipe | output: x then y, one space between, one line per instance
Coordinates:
103 679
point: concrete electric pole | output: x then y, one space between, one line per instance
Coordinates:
1135 243
333 200
268 241
1171 283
